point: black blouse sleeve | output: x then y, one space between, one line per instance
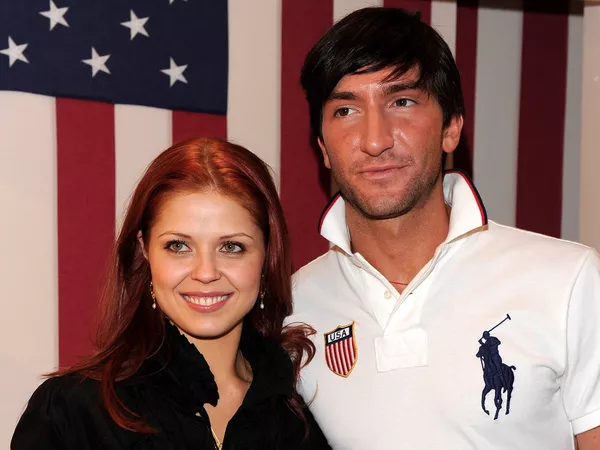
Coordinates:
316 440
40 425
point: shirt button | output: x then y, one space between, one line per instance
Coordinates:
357 263
387 295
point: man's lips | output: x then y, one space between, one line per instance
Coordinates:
380 171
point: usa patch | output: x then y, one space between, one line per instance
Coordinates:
340 350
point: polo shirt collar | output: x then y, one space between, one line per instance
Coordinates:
467 214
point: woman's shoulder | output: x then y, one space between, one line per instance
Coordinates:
70 390
53 409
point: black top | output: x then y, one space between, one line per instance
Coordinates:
171 388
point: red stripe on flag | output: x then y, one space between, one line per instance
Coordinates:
347 356
424 6
304 179
343 355
189 124
542 116
86 218
340 357
466 59
331 358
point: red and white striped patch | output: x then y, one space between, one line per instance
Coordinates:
340 350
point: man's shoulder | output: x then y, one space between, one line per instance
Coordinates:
533 244
316 269
316 279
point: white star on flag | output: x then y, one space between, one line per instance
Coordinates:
97 62
136 25
14 52
175 72
171 1
56 15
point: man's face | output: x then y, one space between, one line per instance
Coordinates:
383 141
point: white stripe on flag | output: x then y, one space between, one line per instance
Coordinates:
29 322
572 143
342 8
254 97
497 102
443 19
141 133
590 156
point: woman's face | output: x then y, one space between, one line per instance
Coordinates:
206 255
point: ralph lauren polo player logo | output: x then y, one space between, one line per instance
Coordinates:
340 350
497 376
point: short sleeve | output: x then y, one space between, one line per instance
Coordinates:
38 428
581 381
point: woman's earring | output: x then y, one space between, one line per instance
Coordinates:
261 294
152 295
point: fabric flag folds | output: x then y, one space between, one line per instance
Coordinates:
125 52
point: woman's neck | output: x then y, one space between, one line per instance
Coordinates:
224 357
232 374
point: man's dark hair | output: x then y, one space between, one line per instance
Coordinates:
372 39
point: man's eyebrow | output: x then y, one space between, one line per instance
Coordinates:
388 89
342 95
394 88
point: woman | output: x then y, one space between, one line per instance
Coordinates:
191 350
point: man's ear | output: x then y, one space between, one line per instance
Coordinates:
140 239
452 132
324 152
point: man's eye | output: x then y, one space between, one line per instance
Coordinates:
343 112
232 247
404 102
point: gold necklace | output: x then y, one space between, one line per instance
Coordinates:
217 441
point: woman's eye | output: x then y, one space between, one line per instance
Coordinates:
177 246
232 247
404 102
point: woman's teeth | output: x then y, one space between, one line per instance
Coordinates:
205 301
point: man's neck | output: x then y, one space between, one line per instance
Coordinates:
399 248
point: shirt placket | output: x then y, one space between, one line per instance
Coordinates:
380 294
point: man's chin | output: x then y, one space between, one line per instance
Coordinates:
381 208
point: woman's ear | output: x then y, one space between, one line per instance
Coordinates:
140 239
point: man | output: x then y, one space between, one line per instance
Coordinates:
489 344
416 271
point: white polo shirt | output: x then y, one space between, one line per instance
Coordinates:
402 371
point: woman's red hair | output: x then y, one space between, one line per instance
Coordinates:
129 330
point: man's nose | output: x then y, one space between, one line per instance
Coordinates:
377 133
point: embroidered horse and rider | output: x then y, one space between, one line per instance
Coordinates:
497 376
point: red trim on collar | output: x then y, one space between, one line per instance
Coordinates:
482 211
327 209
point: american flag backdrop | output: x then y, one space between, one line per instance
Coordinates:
92 90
